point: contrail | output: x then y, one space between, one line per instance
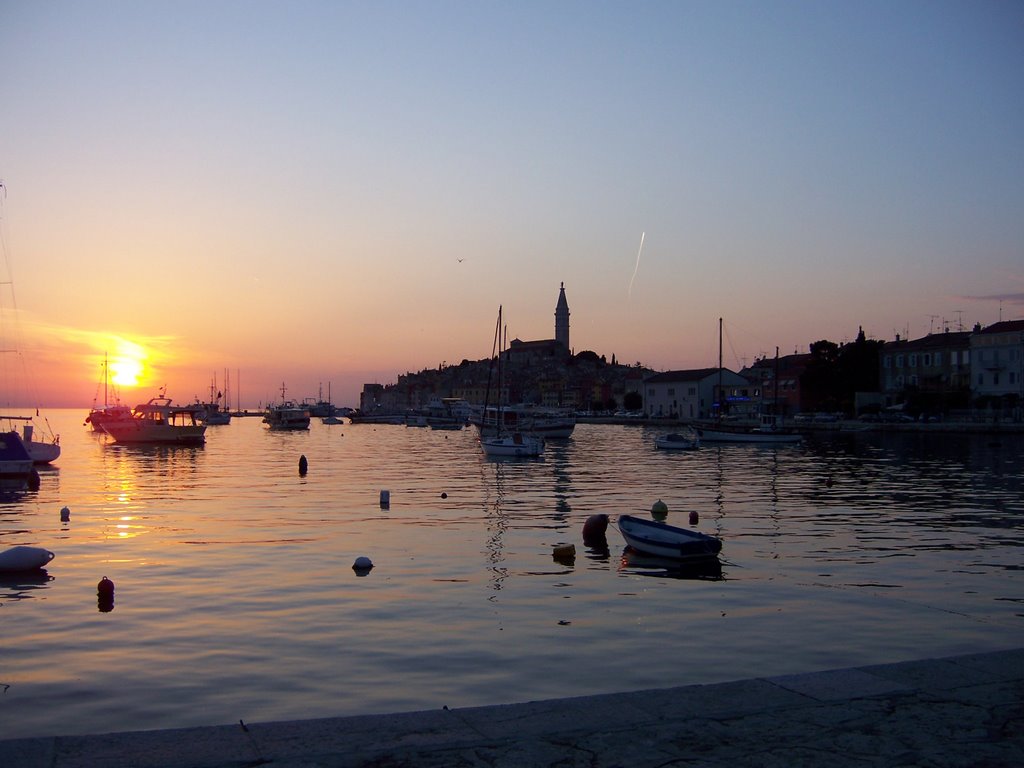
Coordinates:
636 269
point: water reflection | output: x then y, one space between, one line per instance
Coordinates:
911 549
22 585
642 564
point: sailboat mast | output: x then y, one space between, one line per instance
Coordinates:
720 398
775 395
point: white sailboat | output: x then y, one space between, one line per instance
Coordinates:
503 442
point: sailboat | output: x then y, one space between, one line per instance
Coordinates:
37 440
212 413
768 430
108 413
504 442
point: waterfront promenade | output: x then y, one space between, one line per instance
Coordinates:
957 711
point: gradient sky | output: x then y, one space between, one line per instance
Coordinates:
332 193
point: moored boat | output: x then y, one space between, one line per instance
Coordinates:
16 468
160 421
514 444
664 540
286 415
678 441
768 430
506 442
109 412
42 451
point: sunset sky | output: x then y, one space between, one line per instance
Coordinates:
331 193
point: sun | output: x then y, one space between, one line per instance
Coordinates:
127 366
126 373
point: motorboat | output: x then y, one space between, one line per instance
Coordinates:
286 415
542 422
678 441
160 421
514 444
768 430
664 540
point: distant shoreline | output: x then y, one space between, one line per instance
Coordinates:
846 427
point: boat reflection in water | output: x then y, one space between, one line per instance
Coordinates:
642 564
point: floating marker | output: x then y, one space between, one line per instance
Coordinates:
303 464
659 510
444 495
362 565
385 499
694 518
65 514
105 595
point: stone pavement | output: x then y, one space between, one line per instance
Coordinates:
958 711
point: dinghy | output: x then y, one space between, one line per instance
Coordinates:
665 540
24 558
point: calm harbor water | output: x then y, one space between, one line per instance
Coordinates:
236 599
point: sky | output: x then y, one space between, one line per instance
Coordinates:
318 195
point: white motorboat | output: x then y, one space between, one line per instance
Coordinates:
767 431
678 441
160 421
515 444
664 540
286 415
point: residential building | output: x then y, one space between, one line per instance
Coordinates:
997 364
931 373
695 394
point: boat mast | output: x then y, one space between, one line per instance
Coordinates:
720 398
775 394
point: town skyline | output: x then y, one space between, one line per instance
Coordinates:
326 195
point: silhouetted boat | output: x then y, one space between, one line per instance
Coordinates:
160 421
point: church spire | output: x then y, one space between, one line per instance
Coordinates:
562 319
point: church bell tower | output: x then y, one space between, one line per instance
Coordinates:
562 319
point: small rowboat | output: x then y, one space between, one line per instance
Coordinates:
665 540
24 558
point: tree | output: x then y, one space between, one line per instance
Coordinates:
633 401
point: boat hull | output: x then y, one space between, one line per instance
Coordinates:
662 540
16 465
155 433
